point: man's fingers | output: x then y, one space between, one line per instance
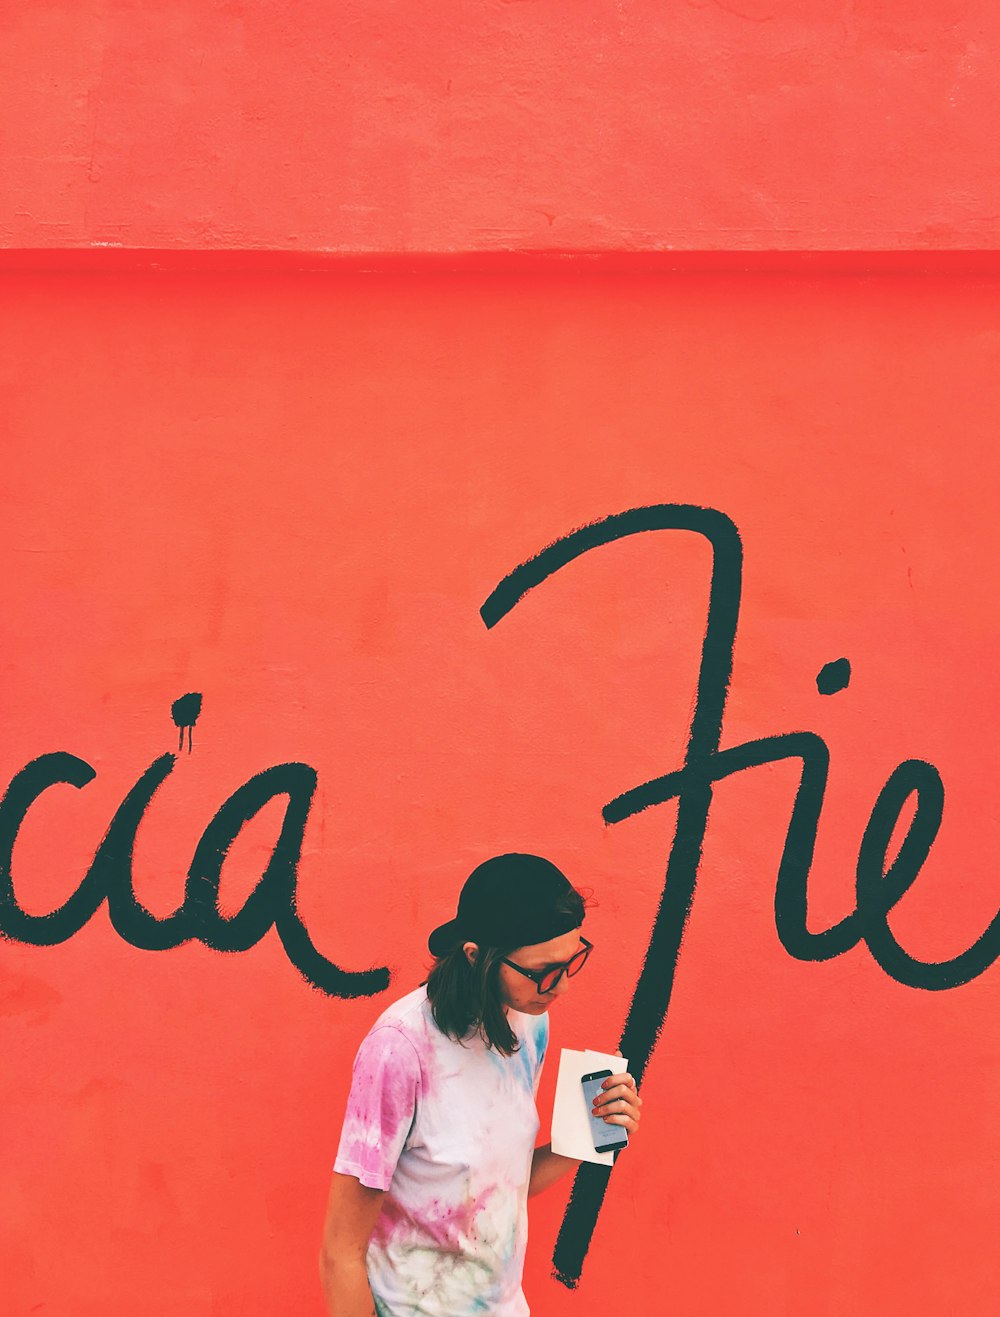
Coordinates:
625 1120
617 1100
617 1091
613 1081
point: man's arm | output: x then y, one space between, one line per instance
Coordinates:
617 1104
351 1212
547 1167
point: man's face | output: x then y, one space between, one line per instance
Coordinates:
521 993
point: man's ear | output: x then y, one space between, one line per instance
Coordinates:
471 952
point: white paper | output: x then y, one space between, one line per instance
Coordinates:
571 1136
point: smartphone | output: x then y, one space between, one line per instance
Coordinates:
606 1137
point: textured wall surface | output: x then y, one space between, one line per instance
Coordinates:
292 494
537 125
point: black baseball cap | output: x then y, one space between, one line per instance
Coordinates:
511 901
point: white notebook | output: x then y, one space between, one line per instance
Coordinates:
571 1136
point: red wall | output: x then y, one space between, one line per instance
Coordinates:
293 493
621 124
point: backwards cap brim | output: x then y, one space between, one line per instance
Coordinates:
444 939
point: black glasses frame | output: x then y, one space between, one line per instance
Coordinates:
569 967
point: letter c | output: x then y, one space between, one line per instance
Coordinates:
58 925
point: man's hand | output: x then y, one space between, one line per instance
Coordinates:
618 1102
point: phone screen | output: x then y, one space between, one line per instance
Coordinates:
606 1137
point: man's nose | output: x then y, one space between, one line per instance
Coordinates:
560 987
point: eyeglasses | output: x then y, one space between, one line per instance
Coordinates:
548 979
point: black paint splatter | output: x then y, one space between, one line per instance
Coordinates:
185 711
833 676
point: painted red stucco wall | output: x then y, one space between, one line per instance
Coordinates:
293 493
239 464
537 125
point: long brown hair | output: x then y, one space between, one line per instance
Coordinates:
466 997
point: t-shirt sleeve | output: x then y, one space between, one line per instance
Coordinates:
380 1108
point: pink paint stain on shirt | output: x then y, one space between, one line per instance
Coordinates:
447 1129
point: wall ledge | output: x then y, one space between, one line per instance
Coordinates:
116 260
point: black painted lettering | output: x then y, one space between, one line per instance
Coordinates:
58 925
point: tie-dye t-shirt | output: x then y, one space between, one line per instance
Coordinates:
447 1129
